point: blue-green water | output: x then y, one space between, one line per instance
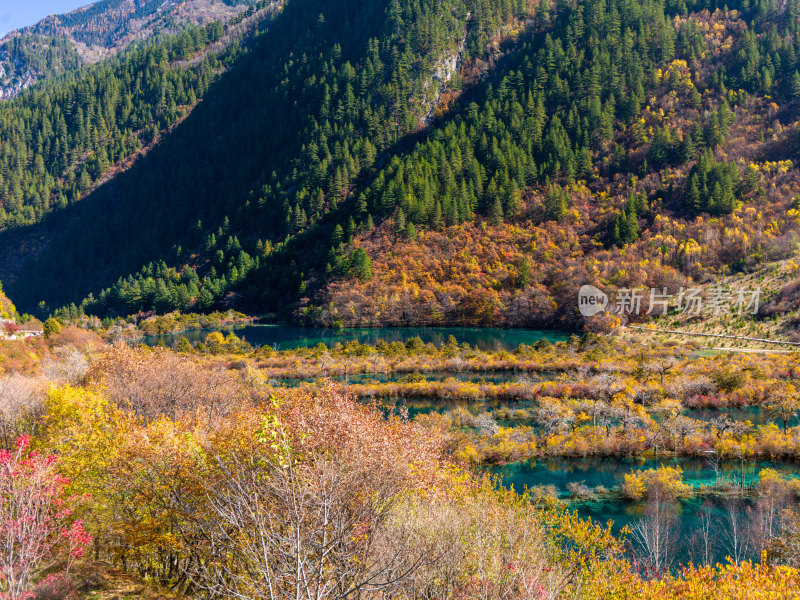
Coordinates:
610 474
754 414
423 406
558 472
286 338
687 535
495 377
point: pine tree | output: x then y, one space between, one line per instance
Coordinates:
400 220
630 231
796 85
616 234
524 274
337 237
555 204
360 265
496 212
688 151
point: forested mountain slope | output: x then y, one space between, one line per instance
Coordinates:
62 43
448 162
660 151
7 309
63 140
277 144
667 157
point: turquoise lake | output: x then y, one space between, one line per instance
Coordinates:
285 338
610 473
559 472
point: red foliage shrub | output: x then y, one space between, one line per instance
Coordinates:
36 524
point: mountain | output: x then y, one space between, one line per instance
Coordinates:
65 139
62 43
7 309
401 162
218 164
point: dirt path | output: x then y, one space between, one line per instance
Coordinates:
713 335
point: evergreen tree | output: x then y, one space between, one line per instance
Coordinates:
496 212
360 265
712 186
555 203
795 85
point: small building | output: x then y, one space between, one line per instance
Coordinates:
11 330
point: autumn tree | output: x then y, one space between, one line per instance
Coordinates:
21 408
156 382
37 527
51 327
784 406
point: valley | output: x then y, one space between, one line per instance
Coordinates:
404 299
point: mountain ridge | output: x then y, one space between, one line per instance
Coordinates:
62 43
654 142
